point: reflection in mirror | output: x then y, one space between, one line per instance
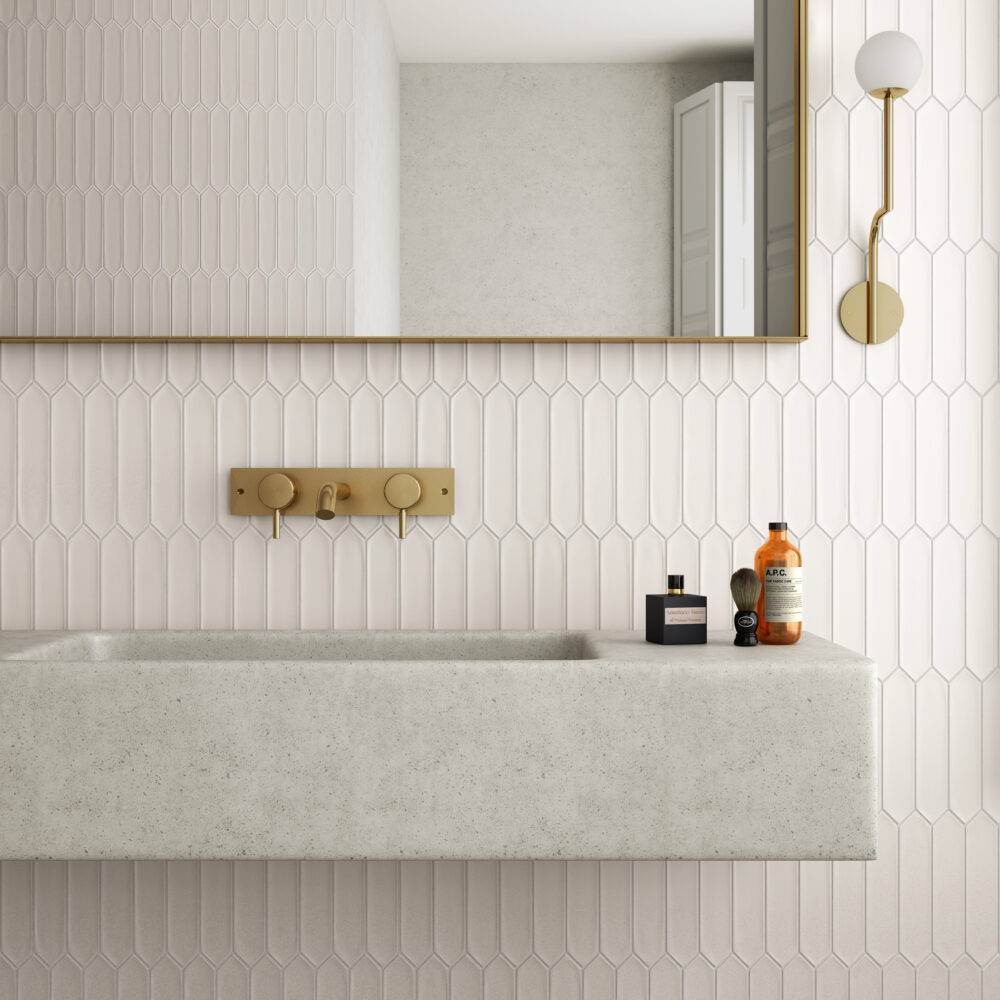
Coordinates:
606 170
431 169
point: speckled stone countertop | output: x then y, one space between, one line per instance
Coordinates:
432 745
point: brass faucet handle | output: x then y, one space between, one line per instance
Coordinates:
276 491
329 494
402 491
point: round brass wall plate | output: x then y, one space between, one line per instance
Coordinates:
854 313
402 491
276 491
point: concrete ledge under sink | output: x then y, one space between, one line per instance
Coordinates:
433 745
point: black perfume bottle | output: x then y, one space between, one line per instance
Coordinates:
676 618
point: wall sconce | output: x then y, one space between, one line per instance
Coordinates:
887 66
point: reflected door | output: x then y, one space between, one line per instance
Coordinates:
714 212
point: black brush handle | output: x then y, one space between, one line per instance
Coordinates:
745 623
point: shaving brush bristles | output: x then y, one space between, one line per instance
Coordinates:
745 585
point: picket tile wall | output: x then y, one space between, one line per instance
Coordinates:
176 168
583 473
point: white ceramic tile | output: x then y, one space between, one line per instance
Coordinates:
915 888
748 910
482 882
949 603
898 727
948 52
533 451
765 980
765 456
649 571
549 916
932 460
515 910
682 910
615 577
733 461
832 444
582 910
899 449
981 889
848 563
948 316
832 176
982 594
981 311
815 890
965 979
498 980
948 844
991 747
932 742
582 584
649 883
699 459
665 460
882 892
615 910
965 752
515 583
598 459
715 893
632 460
991 163
832 980
565 460
932 980
932 179
416 911
965 182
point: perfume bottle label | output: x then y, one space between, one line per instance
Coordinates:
783 593
685 616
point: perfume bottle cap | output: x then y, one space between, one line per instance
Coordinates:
777 526
675 582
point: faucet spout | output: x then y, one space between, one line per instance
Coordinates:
329 494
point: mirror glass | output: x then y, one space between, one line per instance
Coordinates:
597 170
402 169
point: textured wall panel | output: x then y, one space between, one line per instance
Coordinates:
175 169
883 459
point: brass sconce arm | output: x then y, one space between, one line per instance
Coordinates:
888 64
872 312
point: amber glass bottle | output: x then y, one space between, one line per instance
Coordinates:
778 563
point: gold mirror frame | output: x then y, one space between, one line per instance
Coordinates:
801 145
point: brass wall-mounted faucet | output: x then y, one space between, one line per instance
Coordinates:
326 502
341 492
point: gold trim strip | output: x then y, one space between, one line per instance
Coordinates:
401 340
802 174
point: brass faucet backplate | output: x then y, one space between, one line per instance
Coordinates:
367 491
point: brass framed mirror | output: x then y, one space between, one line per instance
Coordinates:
450 171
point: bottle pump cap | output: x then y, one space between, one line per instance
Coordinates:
675 582
778 526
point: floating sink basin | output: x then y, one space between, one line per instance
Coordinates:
432 745
291 647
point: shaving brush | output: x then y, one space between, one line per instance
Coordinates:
745 585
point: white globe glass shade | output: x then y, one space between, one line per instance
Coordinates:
888 59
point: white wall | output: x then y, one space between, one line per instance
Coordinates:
175 169
583 474
376 174
537 200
